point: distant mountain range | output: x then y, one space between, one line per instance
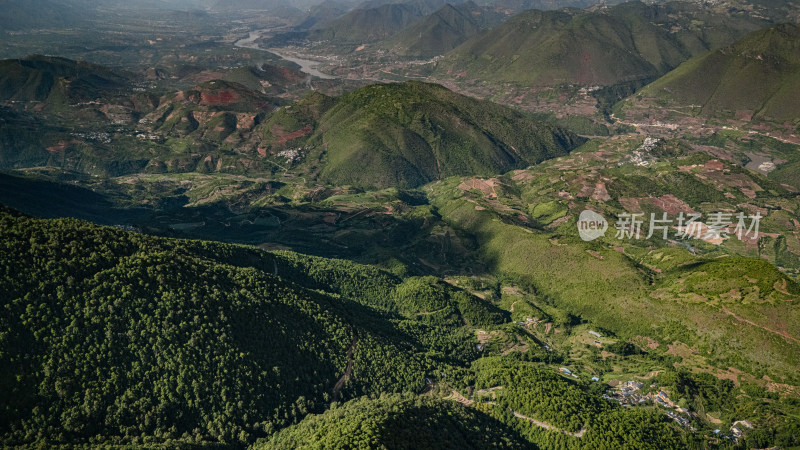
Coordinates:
25 14
607 46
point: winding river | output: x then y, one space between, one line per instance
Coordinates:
306 65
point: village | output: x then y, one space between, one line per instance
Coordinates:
628 394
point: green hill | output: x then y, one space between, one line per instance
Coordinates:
397 422
116 337
270 79
408 134
607 46
441 31
756 77
527 389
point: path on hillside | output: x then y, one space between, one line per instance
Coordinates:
547 426
455 395
782 334
348 372
428 313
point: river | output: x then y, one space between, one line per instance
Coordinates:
306 65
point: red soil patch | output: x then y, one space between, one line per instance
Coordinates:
487 187
585 187
290 75
630 204
565 195
62 145
282 74
750 240
672 205
600 193
586 190
225 97
245 121
783 389
521 175
714 164
282 136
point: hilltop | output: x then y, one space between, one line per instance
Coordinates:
214 111
399 422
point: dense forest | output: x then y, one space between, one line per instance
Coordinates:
111 336
114 337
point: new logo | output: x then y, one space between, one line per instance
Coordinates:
591 225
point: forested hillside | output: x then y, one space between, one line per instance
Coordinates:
110 336
399 422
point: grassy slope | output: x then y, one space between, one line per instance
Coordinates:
759 73
616 291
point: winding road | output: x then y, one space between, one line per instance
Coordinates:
468 401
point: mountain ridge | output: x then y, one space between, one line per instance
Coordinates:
754 77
